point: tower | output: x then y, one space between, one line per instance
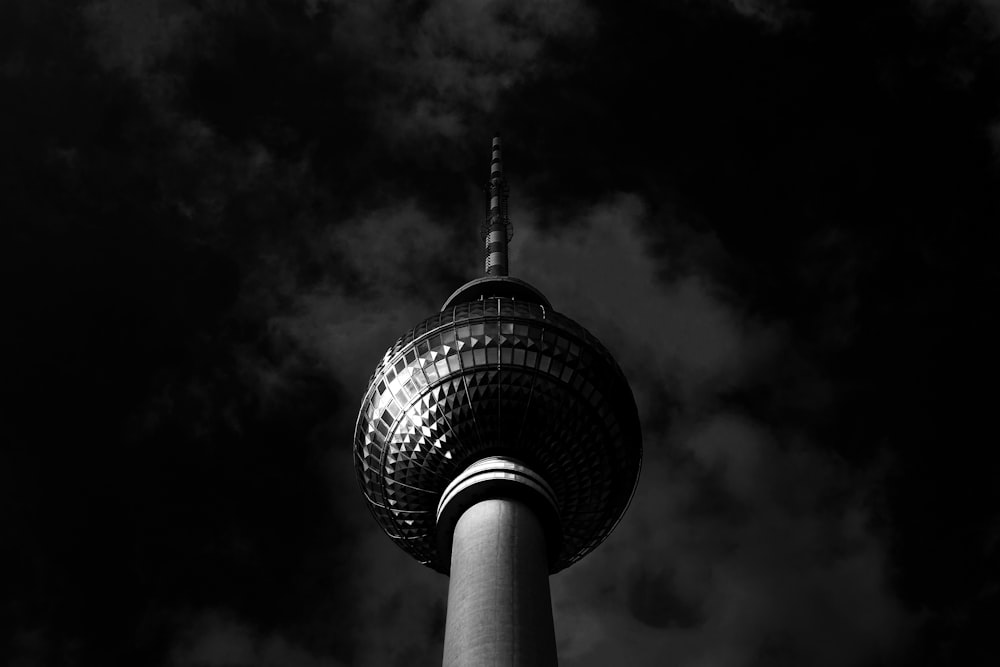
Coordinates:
498 442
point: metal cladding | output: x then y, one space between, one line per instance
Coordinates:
498 377
497 230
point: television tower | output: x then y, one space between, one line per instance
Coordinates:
498 442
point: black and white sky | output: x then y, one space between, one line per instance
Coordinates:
780 216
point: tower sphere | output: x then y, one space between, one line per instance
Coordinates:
498 373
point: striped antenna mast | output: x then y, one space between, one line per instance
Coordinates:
497 230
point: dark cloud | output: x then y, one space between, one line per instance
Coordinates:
779 216
653 600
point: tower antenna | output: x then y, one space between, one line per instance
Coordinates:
497 230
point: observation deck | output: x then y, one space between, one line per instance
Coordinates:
498 372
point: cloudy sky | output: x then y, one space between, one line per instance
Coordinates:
780 216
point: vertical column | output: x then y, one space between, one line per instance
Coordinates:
499 607
497 226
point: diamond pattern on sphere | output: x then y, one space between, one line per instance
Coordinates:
491 377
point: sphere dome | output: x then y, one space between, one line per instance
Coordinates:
498 376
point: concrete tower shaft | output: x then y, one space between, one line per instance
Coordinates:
499 605
497 520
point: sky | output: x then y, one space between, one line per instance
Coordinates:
780 217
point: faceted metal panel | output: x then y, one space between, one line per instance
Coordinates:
498 377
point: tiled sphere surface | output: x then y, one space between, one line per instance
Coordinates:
498 377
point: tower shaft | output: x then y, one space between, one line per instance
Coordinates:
499 607
496 229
